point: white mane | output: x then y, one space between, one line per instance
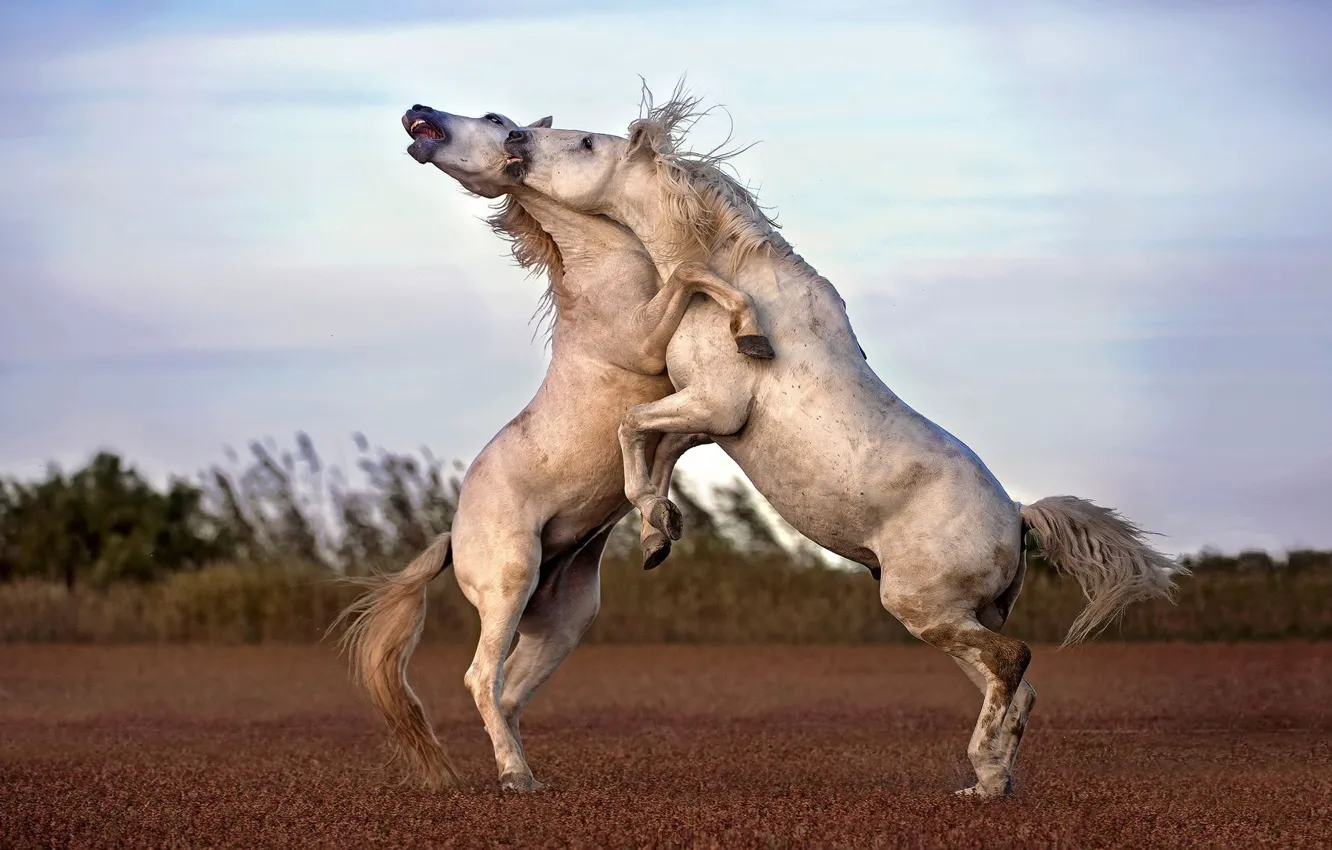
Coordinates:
703 207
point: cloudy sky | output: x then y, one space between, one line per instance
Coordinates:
1094 242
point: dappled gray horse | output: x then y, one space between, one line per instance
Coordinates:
539 501
837 453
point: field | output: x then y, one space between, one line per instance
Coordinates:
1130 745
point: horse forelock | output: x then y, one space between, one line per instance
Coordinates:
703 208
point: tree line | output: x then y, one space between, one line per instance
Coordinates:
106 523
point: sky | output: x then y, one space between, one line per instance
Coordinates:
1093 241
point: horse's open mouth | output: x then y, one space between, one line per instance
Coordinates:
423 129
515 163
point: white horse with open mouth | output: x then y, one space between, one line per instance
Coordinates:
540 500
832 448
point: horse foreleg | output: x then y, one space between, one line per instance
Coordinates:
670 448
553 623
689 411
750 339
653 324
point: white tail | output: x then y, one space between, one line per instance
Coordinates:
380 640
1107 555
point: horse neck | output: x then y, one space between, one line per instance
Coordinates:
603 269
582 239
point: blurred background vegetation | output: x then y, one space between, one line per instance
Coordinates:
253 552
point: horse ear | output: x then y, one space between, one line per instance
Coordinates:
640 142
542 122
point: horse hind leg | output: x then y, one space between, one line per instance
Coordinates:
997 665
555 620
500 595
1015 722
960 610
993 617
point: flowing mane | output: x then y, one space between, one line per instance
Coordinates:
704 207
535 250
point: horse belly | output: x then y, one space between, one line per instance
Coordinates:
809 449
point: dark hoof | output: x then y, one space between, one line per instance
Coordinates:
666 518
656 548
756 346
520 783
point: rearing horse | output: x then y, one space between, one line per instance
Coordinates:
839 456
539 501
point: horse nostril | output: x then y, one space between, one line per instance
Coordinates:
516 135
419 107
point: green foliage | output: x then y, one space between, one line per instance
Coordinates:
253 553
106 523
102 524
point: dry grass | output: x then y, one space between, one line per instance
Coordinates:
707 599
1145 745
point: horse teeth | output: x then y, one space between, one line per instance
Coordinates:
417 123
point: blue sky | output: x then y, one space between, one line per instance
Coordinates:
1093 241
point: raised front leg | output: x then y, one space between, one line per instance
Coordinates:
653 324
655 544
690 411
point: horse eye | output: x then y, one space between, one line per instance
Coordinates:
587 142
493 118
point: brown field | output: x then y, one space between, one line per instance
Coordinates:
1138 745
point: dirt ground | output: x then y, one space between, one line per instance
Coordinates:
1167 746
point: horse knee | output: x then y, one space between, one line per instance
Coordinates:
689 272
631 427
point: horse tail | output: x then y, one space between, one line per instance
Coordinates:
1107 555
386 624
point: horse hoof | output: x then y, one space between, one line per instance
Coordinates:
666 518
522 783
976 792
756 346
655 550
